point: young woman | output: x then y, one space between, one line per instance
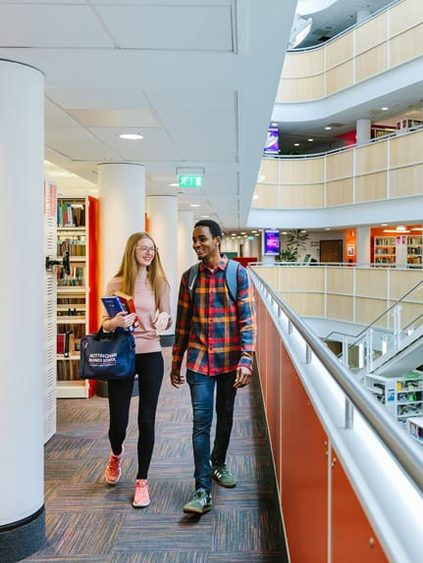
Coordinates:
140 275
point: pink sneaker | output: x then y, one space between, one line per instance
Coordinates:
113 470
141 497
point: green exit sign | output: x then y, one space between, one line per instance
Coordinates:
190 180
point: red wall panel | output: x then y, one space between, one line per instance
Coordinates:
353 539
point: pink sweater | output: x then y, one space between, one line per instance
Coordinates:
146 337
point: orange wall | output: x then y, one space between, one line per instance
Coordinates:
350 246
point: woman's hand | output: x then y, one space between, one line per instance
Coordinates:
161 322
121 320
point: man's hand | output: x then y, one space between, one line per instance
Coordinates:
176 379
242 378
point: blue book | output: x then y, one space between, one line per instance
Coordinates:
113 306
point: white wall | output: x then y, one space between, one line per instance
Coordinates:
250 247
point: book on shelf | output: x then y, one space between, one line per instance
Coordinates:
65 343
120 302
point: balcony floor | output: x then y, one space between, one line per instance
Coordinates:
87 520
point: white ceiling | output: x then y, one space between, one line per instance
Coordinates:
196 78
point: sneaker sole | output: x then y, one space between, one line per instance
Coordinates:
140 505
222 485
195 511
111 482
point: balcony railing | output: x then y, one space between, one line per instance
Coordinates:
387 169
391 38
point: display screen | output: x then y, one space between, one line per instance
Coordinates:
272 140
271 241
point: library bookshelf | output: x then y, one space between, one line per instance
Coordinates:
77 293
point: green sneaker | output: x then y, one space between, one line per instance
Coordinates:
223 476
199 503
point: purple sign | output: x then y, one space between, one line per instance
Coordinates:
272 140
271 242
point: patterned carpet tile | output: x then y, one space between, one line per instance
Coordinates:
145 531
161 557
247 531
258 557
81 534
63 447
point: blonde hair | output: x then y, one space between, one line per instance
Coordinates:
129 268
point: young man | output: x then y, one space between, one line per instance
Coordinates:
219 334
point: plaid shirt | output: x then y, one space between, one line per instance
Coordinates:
218 333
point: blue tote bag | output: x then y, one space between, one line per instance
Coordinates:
107 355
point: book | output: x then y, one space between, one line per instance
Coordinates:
115 304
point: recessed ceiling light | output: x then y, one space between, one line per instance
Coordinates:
401 228
194 205
385 108
257 235
243 233
328 127
174 185
327 228
284 232
296 144
303 231
310 140
253 232
131 136
384 225
206 217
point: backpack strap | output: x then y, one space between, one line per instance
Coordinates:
192 278
231 279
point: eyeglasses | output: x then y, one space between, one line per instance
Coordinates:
145 249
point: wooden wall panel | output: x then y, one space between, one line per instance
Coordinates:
371 187
303 64
306 304
372 283
339 192
406 46
404 15
340 280
407 149
269 168
301 89
339 51
368 309
402 281
339 165
304 472
371 158
294 197
406 181
353 538
371 33
339 77
302 171
371 62
339 307
294 278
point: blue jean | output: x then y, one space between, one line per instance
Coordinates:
202 398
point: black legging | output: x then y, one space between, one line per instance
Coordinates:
150 375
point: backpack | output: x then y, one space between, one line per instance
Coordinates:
231 279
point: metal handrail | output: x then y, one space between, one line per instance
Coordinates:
368 327
413 321
347 30
408 453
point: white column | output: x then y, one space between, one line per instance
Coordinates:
362 15
186 255
162 215
121 190
363 245
363 131
21 305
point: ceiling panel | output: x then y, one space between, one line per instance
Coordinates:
98 98
206 144
78 144
199 27
41 25
156 144
114 118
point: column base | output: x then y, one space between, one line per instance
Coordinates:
23 538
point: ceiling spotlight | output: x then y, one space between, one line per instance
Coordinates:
310 140
296 144
253 232
194 205
327 228
384 224
328 127
131 136
174 185
284 232
206 217
243 233
385 108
